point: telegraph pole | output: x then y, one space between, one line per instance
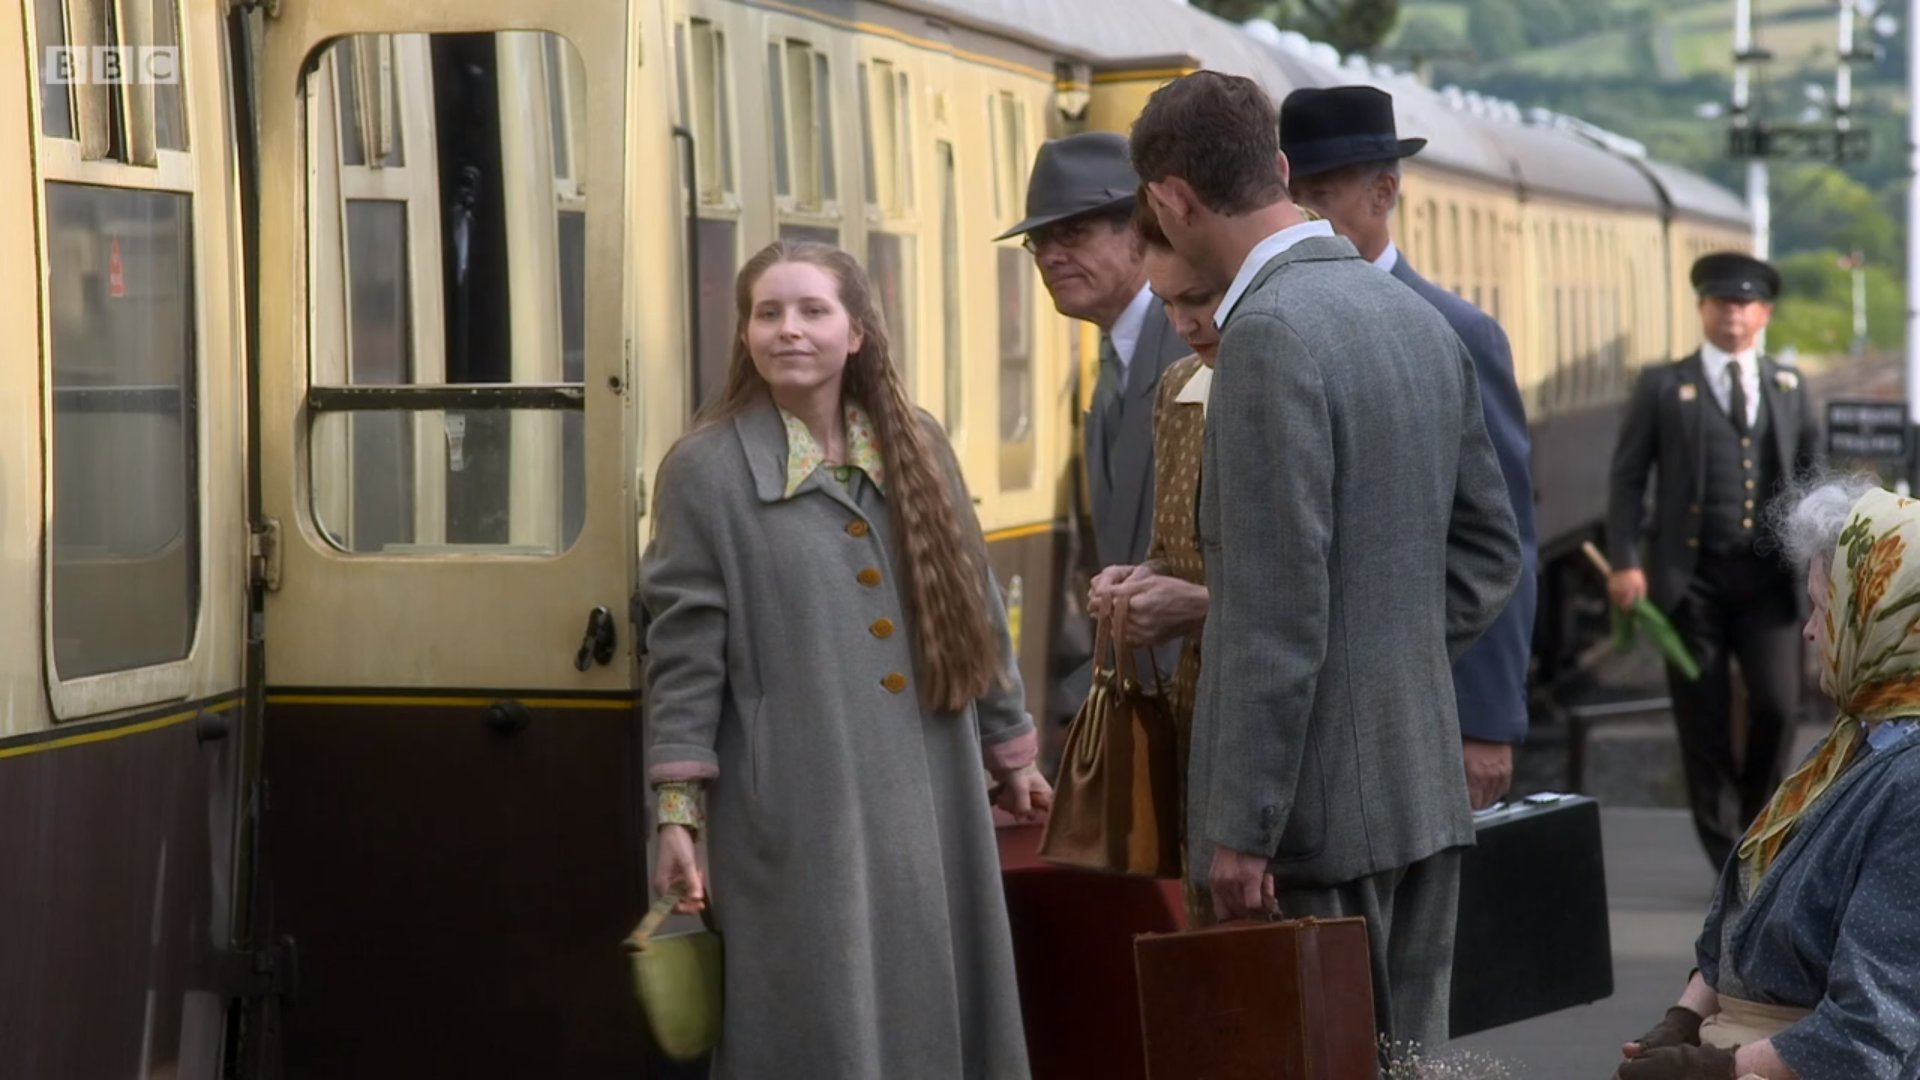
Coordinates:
1759 195
1913 243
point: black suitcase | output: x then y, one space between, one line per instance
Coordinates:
1532 936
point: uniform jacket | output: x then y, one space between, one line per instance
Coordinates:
1345 582
1662 429
852 864
1490 680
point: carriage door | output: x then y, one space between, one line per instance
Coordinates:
450 854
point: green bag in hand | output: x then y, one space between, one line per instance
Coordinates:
678 982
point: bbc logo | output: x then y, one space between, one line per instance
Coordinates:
150 64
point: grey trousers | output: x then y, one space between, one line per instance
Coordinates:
1410 914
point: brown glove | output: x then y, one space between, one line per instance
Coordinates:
1680 1027
1680 1063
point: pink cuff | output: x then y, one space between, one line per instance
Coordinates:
1009 754
672 772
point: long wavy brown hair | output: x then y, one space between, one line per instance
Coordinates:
942 555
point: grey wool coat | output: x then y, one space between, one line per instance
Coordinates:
852 867
1358 537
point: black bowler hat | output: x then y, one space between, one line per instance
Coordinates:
1080 174
1734 276
1329 128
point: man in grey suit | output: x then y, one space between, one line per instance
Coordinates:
1345 154
1358 538
1079 200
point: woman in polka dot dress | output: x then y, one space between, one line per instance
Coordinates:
1167 595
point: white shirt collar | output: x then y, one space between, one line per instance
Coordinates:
1715 361
1389 258
1263 253
1198 389
1126 329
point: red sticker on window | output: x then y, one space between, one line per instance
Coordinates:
116 279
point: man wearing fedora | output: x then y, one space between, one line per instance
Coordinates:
1726 428
1079 204
1345 155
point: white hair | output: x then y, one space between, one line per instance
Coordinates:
1808 517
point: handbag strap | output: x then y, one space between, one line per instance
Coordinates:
657 914
1123 649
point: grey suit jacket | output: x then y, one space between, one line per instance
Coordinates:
1358 537
1662 428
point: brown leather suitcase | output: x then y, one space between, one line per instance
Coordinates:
1259 1001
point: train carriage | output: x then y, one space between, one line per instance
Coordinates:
345 341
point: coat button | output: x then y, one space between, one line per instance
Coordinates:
1693 541
895 682
856 528
868 577
1694 509
1746 523
882 628
1746 441
1747 464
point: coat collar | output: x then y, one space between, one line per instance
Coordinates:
1313 248
763 437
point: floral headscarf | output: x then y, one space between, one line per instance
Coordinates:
1872 658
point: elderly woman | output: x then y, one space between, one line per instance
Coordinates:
1810 957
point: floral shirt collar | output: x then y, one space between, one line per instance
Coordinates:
804 454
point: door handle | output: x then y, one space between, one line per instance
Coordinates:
597 646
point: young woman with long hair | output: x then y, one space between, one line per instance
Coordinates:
828 670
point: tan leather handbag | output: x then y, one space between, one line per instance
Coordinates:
1116 801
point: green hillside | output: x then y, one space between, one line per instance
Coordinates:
1659 71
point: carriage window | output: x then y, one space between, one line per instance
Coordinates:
125 489
719 261
364 73
950 285
888 142
56 97
777 119
1017 387
802 119
890 266
823 126
1008 123
450 224
705 97
169 97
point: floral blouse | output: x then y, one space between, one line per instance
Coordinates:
679 800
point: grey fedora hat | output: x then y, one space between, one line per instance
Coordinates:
1077 175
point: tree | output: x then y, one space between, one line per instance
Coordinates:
1427 34
1237 10
1818 207
1546 22
1495 29
1348 25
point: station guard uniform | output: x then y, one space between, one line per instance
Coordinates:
1726 433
